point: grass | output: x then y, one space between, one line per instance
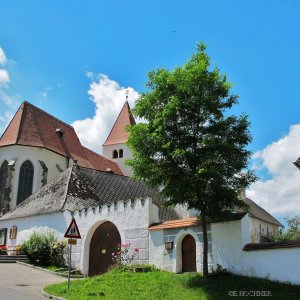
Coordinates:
162 285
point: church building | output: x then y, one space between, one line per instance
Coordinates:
47 178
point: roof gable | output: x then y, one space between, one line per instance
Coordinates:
34 127
78 188
118 134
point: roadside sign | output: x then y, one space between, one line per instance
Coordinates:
72 241
73 231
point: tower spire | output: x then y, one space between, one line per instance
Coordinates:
127 92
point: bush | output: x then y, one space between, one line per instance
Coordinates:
44 249
291 233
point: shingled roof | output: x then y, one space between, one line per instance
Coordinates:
254 210
78 188
258 212
118 134
34 127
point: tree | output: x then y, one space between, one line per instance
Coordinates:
189 144
291 233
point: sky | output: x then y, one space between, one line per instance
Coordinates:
76 59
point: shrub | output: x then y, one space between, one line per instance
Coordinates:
44 249
59 253
124 256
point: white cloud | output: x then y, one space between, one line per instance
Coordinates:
4 77
3 59
109 97
280 194
4 120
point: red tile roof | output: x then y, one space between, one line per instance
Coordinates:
34 127
188 222
118 134
272 245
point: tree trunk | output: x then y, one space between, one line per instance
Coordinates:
205 241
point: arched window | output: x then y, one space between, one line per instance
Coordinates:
25 181
121 153
115 154
3 179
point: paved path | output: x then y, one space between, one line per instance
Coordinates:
18 282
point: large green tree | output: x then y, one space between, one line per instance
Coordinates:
190 144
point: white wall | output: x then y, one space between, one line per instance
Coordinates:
108 153
228 240
171 260
22 153
26 226
131 219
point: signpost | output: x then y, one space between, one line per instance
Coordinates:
72 234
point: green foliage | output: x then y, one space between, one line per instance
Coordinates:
44 249
190 144
291 233
168 286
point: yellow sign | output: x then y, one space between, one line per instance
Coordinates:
72 241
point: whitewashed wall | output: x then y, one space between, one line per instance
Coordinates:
22 153
132 219
228 240
108 153
171 260
26 226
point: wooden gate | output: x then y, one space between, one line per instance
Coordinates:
106 240
188 250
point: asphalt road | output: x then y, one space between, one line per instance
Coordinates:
19 282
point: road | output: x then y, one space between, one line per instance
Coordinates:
19 282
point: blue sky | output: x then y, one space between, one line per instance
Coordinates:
50 46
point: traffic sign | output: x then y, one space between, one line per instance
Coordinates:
72 242
73 231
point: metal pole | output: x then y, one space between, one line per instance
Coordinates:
70 252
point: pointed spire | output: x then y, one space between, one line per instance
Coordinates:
118 134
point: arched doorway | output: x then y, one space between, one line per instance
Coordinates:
106 240
188 250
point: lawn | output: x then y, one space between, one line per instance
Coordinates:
168 286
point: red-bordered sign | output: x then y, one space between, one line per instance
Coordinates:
73 231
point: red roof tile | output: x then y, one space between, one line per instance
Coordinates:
188 222
118 134
34 127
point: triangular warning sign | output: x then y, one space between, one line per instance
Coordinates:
73 231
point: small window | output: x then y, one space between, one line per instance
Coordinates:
121 153
3 232
115 154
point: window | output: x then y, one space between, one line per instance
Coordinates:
3 179
25 181
13 233
115 154
3 232
121 153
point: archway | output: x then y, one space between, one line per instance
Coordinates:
106 240
188 250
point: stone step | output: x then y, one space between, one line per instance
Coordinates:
12 258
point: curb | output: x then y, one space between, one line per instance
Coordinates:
48 271
51 296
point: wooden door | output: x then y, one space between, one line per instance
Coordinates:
188 250
105 241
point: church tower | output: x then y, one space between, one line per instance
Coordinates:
114 147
